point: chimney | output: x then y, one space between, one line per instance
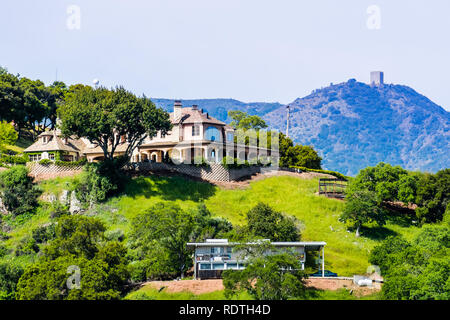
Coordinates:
194 107
177 110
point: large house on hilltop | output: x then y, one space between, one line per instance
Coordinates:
194 134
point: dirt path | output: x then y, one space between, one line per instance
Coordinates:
206 286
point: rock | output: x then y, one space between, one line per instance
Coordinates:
64 197
3 209
75 204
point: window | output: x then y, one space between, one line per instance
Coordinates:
51 156
230 136
213 134
218 266
232 266
205 266
195 131
229 250
216 250
35 157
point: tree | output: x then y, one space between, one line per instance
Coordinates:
298 155
384 180
106 117
170 227
79 243
267 277
29 103
76 235
8 135
362 207
263 221
18 191
242 120
433 196
415 270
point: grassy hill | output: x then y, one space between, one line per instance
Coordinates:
344 253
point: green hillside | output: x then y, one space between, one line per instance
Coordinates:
344 253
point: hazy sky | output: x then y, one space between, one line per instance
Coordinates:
251 50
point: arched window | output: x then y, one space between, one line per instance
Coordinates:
213 134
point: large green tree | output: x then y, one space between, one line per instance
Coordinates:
79 246
244 121
297 155
362 207
265 222
105 117
168 226
267 277
418 269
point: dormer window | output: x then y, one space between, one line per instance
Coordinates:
46 139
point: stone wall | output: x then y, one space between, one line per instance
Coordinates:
50 171
212 172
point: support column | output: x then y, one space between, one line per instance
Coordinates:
323 261
195 263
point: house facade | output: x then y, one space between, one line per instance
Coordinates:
214 256
194 135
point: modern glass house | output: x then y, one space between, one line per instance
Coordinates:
215 255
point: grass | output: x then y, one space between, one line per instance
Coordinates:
20 145
345 254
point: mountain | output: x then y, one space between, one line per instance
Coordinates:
354 125
218 108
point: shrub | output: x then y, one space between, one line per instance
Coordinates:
101 180
18 191
200 161
9 277
45 162
71 164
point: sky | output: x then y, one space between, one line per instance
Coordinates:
250 50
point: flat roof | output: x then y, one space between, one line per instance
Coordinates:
280 244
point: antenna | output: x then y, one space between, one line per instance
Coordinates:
288 108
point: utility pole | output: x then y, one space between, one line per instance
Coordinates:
288 107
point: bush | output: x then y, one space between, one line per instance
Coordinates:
101 180
18 191
71 164
200 161
14 159
9 277
45 162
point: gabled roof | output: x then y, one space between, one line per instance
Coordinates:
56 144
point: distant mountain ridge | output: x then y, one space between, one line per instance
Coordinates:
354 125
218 108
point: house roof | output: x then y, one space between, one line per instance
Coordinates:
56 143
191 115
